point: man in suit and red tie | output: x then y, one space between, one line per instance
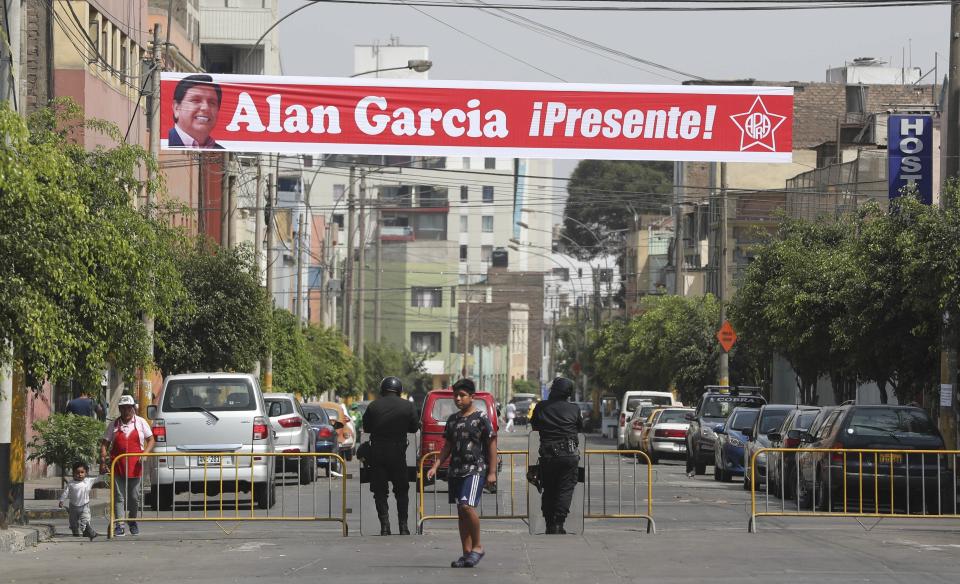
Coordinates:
196 104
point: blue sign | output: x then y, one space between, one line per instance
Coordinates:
910 155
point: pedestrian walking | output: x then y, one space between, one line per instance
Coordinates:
471 444
558 421
388 420
76 498
84 405
511 414
128 434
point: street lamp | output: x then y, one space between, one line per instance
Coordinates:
418 65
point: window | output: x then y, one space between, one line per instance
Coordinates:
463 223
93 29
464 193
488 223
453 341
490 163
487 194
466 162
338 192
425 342
212 395
338 220
453 297
486 253
422 297
562 273
463 253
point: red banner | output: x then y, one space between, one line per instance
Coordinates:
251 113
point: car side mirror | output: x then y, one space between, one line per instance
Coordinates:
689 417
721 429
775 436
795 434
152 412
337 424
806 438
275 409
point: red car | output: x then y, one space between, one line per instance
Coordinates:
437 407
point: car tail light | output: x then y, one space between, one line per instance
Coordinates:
431 447
791 442
623 419
291 450
159 430
325 433
837 457
637 425
294 422
260 428
662 433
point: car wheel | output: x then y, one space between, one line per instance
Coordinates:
265 495
305 474
161 498
653 458
700 468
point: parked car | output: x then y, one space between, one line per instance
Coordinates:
292 434
782 466
920 482
523 403
586 410
636 424
325 435
711 412
731 438
629 403
664 435
437 408
769 419
222 413
346 435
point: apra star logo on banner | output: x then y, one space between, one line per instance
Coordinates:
758 127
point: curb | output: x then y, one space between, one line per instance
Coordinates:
96 509
18 539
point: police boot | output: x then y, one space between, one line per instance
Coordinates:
560 529
403 529
552 527
384 525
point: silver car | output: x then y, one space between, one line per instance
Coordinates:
665 435
222 415
293 433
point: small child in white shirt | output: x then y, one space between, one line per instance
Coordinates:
77 494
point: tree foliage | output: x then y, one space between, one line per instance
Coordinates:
223 323
64 439
80 264
383 360
603 197
335 368
293 368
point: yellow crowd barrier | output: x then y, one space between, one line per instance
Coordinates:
514 474
633 509
869 483
207 477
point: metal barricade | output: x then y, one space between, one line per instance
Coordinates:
193 486
868 483
633 509
512 468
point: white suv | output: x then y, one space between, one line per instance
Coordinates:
293 434
629 403
222 414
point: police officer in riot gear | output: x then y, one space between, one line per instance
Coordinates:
388 420
558 421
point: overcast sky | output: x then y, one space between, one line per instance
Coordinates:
794 45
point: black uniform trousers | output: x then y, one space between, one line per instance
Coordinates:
389 465
558 474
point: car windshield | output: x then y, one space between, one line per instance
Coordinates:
445 407
228 395
658 400
743 420
644 412
885 421
673 417
772 420
721 406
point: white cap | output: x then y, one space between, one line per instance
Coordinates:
126 400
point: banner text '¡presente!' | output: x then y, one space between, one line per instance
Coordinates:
373 116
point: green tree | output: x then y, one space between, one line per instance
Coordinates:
80 265
335 367
64 439
224 322
521 385
293 366
603 197
383 360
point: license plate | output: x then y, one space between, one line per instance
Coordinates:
208 460
888 458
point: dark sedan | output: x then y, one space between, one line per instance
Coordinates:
783 465
326 432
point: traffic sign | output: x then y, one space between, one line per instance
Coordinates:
727 336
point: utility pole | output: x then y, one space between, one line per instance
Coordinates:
271 191
948 355
258 221
722 274
678 259
145 387
298 302
378 280
466 324
361 264
348 271
225 203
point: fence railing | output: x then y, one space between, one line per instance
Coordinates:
640 506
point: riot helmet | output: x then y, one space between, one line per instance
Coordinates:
391 384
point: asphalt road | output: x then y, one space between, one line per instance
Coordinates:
701 535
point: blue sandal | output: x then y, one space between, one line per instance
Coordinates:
472 559
459 562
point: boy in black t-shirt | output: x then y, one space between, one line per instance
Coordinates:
471 444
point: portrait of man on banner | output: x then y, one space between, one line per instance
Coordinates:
196 105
